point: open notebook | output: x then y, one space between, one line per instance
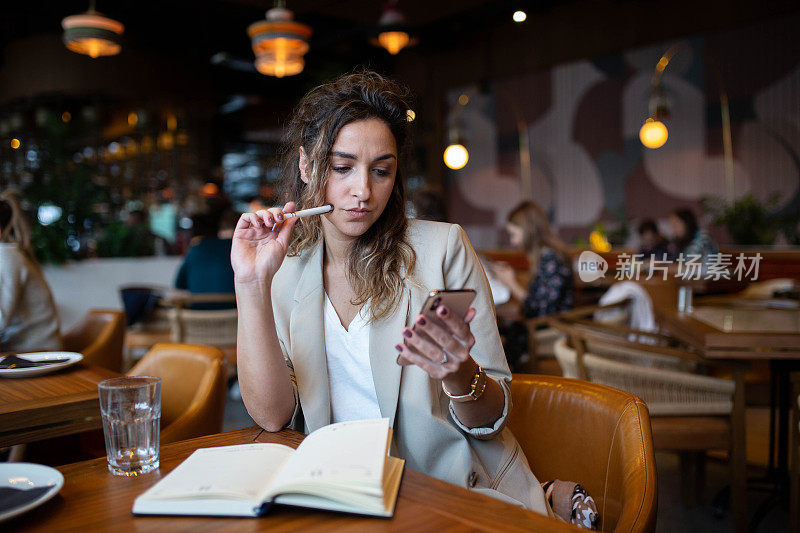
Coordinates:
341 467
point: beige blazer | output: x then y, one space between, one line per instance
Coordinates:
427 433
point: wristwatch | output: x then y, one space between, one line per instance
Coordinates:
476 388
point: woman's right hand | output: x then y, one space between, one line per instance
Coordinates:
257 252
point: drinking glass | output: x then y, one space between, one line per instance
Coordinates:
131 411
685 299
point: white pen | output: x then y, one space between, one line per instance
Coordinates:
321 210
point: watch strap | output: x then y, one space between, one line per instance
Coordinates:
476 388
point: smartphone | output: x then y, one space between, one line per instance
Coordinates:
457 301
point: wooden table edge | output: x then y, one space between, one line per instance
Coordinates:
474 511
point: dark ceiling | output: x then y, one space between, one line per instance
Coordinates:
204 26
190 32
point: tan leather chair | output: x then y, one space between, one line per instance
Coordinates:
690 413
99 337
192 388
594 435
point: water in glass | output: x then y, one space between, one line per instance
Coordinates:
131 410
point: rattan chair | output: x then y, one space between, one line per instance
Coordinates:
213 327
654 378
542 337
690 413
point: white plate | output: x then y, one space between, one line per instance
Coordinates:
28 476
73 357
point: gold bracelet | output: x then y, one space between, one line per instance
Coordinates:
476 388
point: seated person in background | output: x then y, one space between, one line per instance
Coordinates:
207 267
550 288
651 241
227 224
688 238
28 318
139 240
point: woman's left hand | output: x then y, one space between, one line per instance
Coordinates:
441 347
505 273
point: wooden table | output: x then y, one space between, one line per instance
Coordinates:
733 330
738 330
51 405
94 499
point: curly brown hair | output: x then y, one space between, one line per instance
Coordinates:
379 259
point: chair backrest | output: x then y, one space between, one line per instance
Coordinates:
99 337
594 435
641 355
543 341
666 392
192 388
211 327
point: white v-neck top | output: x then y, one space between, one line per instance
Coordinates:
353 395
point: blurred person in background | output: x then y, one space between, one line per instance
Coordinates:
428 204
687 236
550 286
227 223
28 318
207 266
164 221
139 240
651 242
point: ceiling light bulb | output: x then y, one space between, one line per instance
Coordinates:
653 133
456 156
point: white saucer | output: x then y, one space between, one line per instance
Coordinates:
28 476
73 357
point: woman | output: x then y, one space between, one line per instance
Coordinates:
688 238
326 302
550 289
28 318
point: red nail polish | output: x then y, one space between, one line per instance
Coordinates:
398 347
421 321
443 311
407 333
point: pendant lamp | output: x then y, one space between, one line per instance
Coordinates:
92 33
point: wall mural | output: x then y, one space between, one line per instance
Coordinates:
583 121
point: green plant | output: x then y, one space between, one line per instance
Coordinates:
620 231
748 220
58 181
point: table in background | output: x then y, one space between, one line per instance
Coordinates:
93 499
51 405
740 330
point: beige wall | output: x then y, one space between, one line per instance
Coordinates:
94 283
